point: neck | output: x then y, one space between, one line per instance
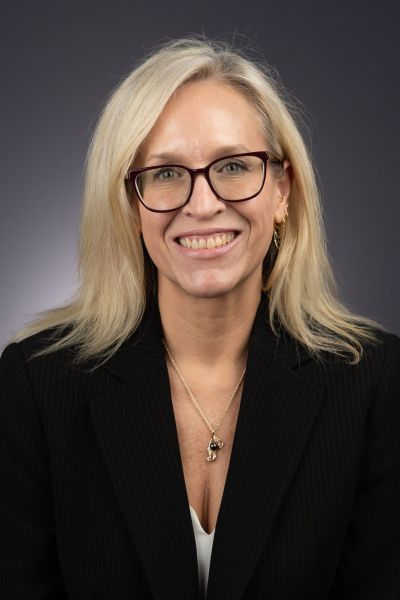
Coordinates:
211 332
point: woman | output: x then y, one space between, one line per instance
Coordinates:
238 408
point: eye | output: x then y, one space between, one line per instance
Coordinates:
165 174
232 167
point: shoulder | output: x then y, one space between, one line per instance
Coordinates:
384 361
361 383
51 386
19 360
385 348
36 342
382 356
387 356
22 351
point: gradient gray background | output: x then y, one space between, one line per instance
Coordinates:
61 59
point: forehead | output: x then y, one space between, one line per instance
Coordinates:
200 118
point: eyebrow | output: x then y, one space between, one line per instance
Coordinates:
221 151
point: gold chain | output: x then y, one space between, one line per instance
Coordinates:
215 443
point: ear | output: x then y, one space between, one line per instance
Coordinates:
283 188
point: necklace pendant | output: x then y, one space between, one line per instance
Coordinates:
213 445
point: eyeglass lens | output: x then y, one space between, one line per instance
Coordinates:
233 178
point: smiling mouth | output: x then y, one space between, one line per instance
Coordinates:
206 242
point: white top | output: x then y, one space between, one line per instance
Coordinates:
204 542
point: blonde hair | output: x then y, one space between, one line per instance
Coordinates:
112 267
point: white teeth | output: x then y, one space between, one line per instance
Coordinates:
208 242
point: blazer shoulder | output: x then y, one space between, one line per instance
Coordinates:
387 347
26 348
385 344
391 356
380 362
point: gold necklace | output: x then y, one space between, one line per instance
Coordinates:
215 443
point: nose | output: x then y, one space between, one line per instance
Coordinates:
203 203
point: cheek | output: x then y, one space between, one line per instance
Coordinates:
153 227
261 231
261 220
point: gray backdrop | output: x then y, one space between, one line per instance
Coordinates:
60 59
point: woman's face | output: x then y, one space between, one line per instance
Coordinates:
206 120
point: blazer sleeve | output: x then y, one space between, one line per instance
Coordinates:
28 555
369 568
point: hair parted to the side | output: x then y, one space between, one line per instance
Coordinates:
112 263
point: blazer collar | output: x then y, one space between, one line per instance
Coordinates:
136 431
143 349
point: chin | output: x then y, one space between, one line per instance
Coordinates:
208 289
210 293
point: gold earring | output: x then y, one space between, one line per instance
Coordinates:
281 198
276 235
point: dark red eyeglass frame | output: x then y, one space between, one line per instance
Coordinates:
263 154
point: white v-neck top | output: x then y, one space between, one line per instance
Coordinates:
204 542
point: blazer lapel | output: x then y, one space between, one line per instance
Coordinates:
136 430
276 414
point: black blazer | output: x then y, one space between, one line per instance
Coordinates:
93 501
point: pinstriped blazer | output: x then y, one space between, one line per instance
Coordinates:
93 500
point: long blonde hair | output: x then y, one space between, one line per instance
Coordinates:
112 266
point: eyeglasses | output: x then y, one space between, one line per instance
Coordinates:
234 178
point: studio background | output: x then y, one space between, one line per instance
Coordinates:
60 60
